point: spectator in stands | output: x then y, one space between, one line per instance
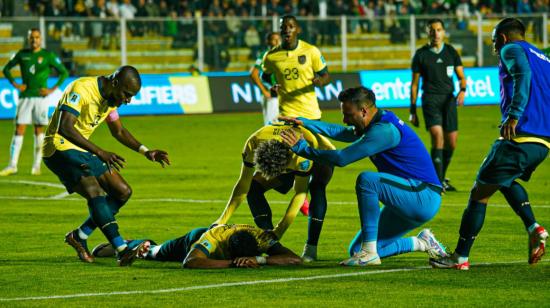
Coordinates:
252 40
234 25
99 10
128 10
463 13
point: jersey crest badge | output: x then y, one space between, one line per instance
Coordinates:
302 59
74 98
40 60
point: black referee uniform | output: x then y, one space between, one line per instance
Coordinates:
436 71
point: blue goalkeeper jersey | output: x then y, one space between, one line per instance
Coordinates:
392 146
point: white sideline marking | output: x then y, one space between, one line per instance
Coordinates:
64 194
33 183
60 197
235 284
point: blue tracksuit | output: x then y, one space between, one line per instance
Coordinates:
406 181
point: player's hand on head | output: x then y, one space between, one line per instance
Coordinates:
113 160
248 262
290 120
508 128
290 138
159 156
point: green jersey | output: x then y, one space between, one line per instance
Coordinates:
35 70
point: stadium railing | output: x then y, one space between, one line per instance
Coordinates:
90 46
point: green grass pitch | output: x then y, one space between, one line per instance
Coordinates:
38 269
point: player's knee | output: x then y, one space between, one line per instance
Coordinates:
125 194
366 181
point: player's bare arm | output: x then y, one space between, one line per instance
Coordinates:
413 118
255 76
459 71
198 259
67 130
280 255
120 133
300 194
237 195
322 79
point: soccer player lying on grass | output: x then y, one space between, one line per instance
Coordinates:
219 247
406 181
523 144
278 168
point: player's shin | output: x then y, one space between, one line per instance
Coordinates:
470 226
103 217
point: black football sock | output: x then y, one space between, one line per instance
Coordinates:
258 206
447 155
437 159
317 211
471 224
519 201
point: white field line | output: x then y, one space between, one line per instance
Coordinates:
183 200
61 196
36 183
236 284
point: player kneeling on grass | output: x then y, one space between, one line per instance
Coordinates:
406 181
219 247
277 168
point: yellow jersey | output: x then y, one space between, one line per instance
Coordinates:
215 242
294 70
297 163
83 99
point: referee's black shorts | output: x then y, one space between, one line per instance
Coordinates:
440 109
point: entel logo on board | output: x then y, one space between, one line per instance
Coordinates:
398 89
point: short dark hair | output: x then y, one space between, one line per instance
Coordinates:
271 158
509 26
243 244
359 96
435 20
289 17
270 34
